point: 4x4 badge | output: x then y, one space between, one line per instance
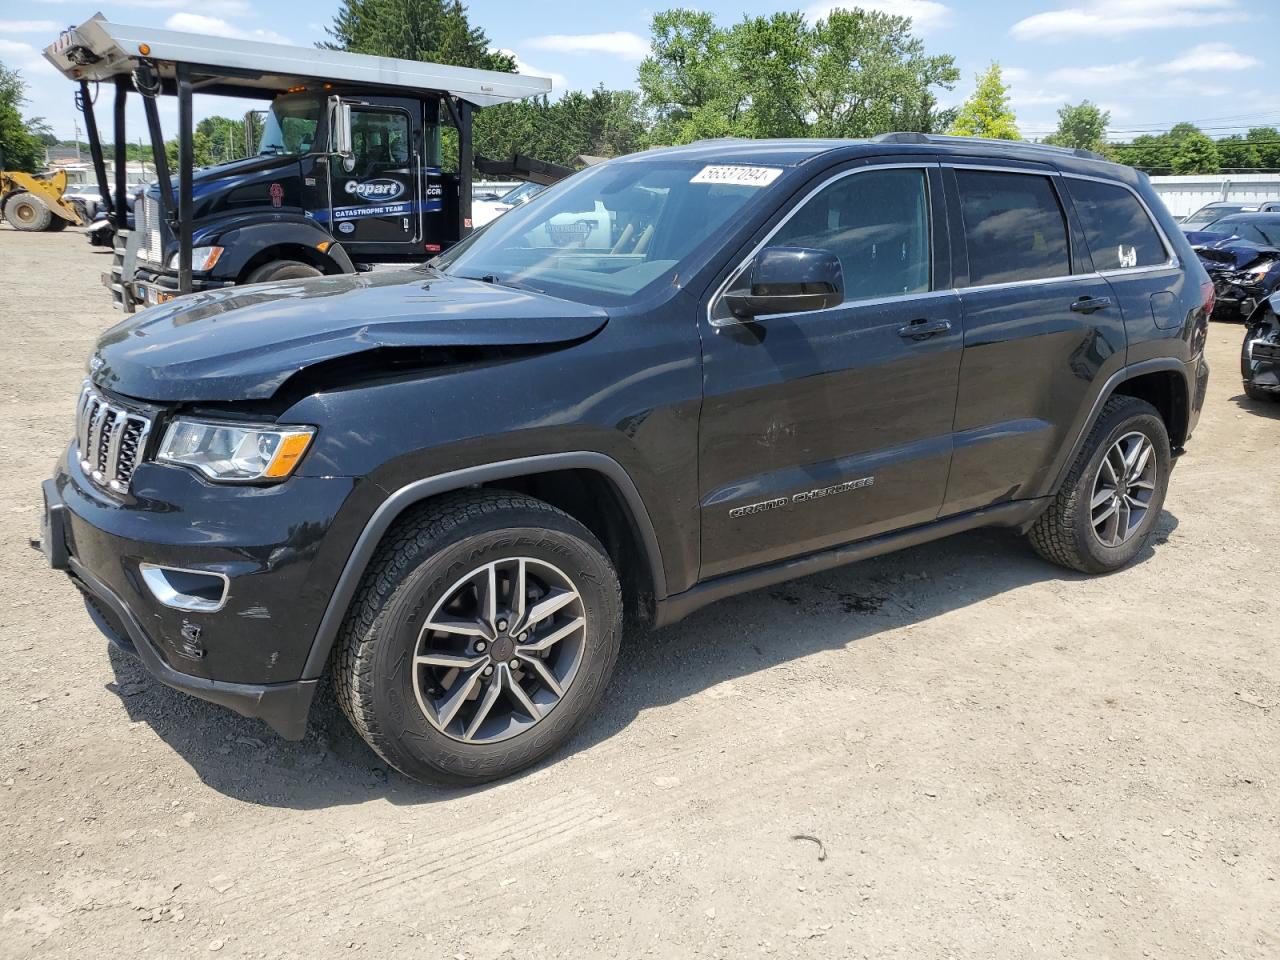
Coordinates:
803 497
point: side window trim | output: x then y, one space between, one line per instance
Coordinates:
936 235
1068 223
1171 257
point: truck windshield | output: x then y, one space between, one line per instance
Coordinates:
291 125
605 233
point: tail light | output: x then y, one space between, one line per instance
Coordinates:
1208 296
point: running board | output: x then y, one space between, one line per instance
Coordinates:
1017 513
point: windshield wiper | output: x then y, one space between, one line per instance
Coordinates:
497 281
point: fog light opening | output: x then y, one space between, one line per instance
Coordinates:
196 591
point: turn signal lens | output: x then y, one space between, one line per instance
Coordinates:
144 49
290 451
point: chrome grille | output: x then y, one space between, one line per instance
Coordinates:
109 440
150 229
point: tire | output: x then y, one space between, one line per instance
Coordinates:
1065 533
27 212
57 224
422 573
1257 393
283 270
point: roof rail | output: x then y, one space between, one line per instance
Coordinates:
913 137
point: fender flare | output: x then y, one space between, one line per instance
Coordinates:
1154 365
242 243
391 509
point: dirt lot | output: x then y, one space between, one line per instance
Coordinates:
999 759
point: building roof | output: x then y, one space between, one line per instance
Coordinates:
101 50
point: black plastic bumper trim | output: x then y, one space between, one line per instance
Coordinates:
282 706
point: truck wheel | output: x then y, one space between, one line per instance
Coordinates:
56 224
283 270
27 212
1112 497
483 633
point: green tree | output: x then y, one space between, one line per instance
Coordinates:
987 113
436 31
1267 142
605 123
1082 125
22 140
1238 153
854 73
1192 151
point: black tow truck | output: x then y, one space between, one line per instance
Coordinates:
348 171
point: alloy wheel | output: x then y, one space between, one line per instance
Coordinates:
1123 489
499 650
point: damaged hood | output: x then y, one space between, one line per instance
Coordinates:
1219 253
243 343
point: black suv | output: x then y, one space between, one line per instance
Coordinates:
674 377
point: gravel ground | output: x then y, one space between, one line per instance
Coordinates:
956 751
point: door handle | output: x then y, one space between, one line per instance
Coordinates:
923 329
1090 304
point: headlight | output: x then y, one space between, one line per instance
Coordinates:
202 258
235 451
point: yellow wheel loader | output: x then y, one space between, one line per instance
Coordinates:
33 201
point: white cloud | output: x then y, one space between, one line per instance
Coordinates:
629 46
1111 17
216 27
925 15
559 82
1205 58
29 26
1209 57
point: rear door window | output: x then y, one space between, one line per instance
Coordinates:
1014 227
1116 227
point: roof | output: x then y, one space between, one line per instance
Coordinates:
794 152
101 50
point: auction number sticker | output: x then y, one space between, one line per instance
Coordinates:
738 176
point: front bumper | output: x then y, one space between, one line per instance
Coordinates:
1260 361
150 287
249 654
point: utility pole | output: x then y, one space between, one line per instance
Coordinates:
76 126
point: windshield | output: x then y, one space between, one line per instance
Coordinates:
1209 215
291 125
611 230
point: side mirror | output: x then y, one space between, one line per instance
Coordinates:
340 128
787 280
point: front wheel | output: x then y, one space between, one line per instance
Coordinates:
484 632
283 270
1111 499
27 212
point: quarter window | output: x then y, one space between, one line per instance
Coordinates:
1118 230
877 224
1013 226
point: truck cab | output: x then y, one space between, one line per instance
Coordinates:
298 209
348 171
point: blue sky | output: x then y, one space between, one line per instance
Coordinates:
1150 62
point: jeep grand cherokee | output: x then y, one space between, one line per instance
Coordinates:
671 378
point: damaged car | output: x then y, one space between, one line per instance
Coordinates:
1260 355
1242 254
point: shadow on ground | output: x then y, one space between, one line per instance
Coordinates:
332 766
1265 408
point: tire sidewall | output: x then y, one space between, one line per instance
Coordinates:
284 270
394 705
1101 558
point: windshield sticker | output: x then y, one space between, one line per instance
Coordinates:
737 176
